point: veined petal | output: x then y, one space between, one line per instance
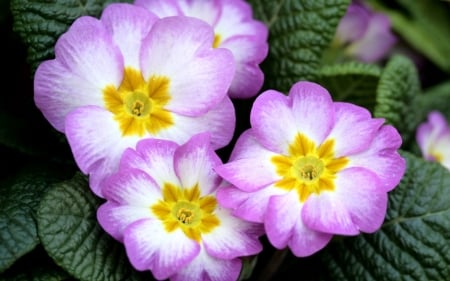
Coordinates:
131 187
272 121
207 268
154 157
150 246
96 142
194 164
356 205
354 129
312 110
115 218
250 206
282 214
233 238
219 121
382 158
181 48
162 8
128 25
86 62
366 203
325 213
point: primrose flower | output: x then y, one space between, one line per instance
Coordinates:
433 137
309 168
365 34
130 75
235 29
161 204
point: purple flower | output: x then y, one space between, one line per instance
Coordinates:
433 137
310 168
162 205
235 29
130 75
365 34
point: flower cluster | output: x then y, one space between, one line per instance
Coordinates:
143 95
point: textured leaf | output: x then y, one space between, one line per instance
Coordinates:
40 22
423 24
351 82
299 33
70 234
413 243
18 206
398 88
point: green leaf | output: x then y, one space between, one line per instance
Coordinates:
70 234
435 98
413 243
18 206
398 88
39 23
353 82
35 266
299 32
423 24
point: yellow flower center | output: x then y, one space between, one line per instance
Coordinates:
307 168
217 41
184 209
138 105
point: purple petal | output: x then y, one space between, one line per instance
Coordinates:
150 247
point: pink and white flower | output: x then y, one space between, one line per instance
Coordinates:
365 34
309 168
235 29
162 205
130 75
433 137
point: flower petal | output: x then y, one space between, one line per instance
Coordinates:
150 246
154 157
194 162
282 214
207 268
354 23
233 238
236 19
86 62
219 121
162 8
382 158
250 206
115 218
273 133
248 53
180 48
96 142
377 40
354 129
131 187
357 204
312 110
305 242
128 25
